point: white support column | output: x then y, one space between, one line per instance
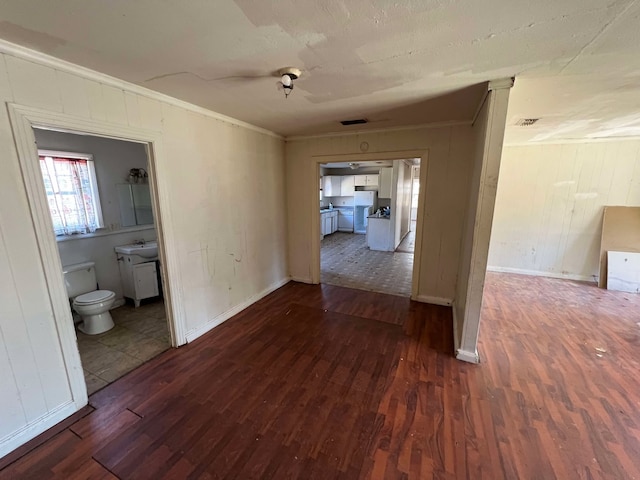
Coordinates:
483 192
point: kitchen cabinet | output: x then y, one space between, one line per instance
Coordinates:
386 176
347 186
326 230
332 186
366 180
328 222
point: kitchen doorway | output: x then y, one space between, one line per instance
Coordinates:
365 214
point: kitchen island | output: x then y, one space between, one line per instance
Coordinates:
379 233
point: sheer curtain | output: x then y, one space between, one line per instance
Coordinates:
72 196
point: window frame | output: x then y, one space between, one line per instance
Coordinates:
93 185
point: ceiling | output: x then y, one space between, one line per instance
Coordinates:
394 63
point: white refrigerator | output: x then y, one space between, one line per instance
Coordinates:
364 204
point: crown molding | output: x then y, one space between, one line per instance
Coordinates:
40 58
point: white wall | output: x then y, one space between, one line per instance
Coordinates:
402 205
113 159
445 179
548 217
225 187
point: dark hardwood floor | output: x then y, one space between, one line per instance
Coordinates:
327 382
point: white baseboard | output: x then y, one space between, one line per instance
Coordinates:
214 322
21 436
538 273
302 279
467 356
445 302
464 355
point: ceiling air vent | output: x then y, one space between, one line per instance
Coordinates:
525 122
354 122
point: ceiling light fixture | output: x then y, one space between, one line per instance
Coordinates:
287 76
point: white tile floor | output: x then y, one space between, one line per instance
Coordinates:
346 261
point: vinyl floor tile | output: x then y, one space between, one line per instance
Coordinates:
139 335
346 261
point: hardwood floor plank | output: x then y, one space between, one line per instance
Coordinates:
327 382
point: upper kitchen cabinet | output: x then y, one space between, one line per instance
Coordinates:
366 180
332 186
347 186
386 178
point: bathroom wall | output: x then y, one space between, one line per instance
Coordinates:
113 159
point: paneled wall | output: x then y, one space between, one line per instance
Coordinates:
548 217
226 191
444 177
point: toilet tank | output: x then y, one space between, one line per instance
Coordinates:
79 278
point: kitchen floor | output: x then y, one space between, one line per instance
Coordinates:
408 244
346 261
139 335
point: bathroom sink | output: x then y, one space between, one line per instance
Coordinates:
147 250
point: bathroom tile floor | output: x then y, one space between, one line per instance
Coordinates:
346 261
139 335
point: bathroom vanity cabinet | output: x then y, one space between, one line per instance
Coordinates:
139 277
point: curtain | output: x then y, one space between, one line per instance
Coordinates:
71 199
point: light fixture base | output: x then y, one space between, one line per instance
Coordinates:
292 72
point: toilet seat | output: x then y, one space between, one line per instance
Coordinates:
96 296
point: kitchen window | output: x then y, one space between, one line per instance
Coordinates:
72 192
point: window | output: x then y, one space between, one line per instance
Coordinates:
72 192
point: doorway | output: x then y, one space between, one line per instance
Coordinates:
365 215
408 244
25 121
110 175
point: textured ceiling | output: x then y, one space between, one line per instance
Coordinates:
396 63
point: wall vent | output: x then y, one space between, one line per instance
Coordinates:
525 122
354 122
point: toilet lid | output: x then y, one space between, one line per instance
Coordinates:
94 297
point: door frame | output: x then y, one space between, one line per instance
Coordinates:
23 120
423 155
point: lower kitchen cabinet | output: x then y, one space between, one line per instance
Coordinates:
328 222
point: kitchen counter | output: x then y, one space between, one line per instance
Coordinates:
379 233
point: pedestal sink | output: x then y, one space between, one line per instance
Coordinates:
145 250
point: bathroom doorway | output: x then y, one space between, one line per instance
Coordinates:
24 122
99 198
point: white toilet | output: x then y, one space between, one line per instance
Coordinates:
92 305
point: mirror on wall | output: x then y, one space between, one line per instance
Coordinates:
135 204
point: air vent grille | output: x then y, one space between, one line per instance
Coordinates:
354 122
525 122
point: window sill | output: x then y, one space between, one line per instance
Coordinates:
103 233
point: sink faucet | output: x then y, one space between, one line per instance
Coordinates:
139 242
